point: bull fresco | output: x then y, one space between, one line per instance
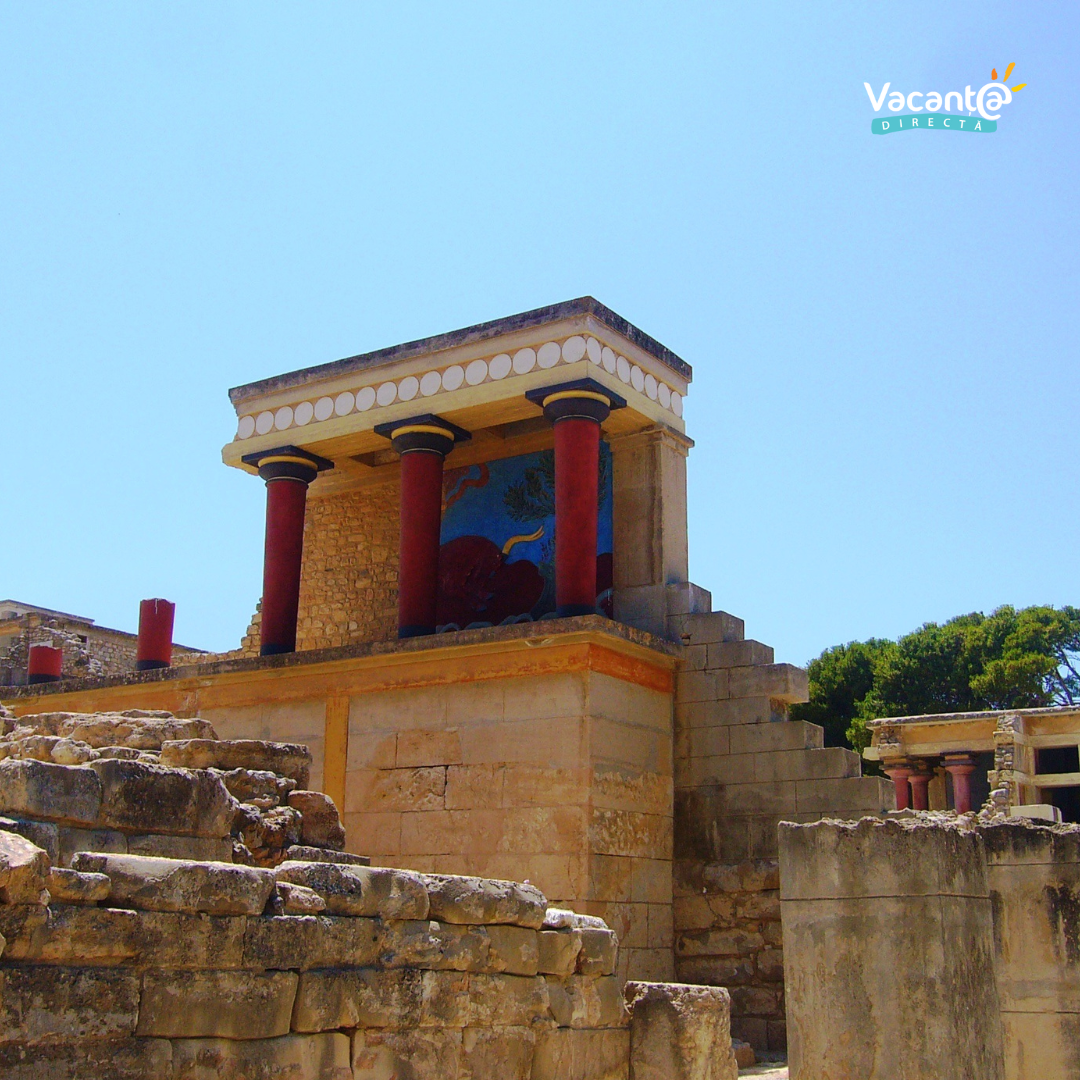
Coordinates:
497 554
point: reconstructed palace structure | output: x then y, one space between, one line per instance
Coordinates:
477 613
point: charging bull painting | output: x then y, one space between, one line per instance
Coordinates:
497 559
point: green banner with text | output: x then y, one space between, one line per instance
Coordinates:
930 122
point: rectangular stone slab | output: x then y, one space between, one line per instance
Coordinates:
292 760
69 794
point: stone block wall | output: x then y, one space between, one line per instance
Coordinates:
740 768
929 946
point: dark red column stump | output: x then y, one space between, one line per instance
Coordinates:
44 664
154 648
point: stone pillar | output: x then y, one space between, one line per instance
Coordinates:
423 443
577 410
44 664
960 767
899 772
920 786
154 648
287 472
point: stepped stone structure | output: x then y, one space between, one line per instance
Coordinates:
477 614
299 963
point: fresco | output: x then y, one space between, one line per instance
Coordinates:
497 559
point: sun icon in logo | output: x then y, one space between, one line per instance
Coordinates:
1005 77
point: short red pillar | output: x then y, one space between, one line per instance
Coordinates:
44 664
287 472
154 649
920 789
899 774
576 409
960 767
423 443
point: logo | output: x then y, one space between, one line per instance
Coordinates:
987 103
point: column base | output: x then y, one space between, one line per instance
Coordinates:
33 680
414 631
568 611
149 665
270 649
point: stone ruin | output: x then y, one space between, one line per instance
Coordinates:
178 907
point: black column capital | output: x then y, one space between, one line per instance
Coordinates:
585 399
287 463
424 432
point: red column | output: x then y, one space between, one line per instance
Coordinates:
44 664
899 775
920 789
577 475
960 769
577 410
421 521
287 472
154 649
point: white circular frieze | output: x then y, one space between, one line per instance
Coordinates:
524 361
324 408
365 398
431 383
592 347
663 392
246 428
283 417
622 367
344 402
303 413
650 387
408 388
453 377
547 356
386 393
573 349
476 372
264 422
676 403
499 367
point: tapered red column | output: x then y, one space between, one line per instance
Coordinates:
423 443
44 664
899 773
287 472
154 648
960 767
920 788
576 409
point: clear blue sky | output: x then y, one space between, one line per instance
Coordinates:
883 330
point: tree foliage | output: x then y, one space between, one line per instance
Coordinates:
1011 658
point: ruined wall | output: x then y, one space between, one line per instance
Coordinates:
929 946
740 768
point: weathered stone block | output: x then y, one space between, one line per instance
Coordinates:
480 900
296 900
104 1059
175 885
320 827
216 1004
581 1001
24 868
420 1054
45 834
302 853
136 732
599 951
558 951
508 1000
679 1032
74 887
505 1052
73 840
514 950
577 1054
138 797
191 848
785 735
332 998
292 760
53 1003
301 942
564 919
361 890
435 946
289 1057
61 793
17 925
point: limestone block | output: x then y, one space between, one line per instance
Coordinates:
565 919
504 1052
745 653
679 1032
361 890
175 885
72 840
137 732
383 790
62 793
421 1054
780 682
43 1003
18 922
302 942
143 798
289 1057
303 853
706 627
107 1059
581 1001
44 834
578 1054
216 1004
291 760
24 868
321 827
75 887
332 998
191 848
435 946
247 784
514 950
558 951
599 951
419 747
290 899
456 899
784 735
